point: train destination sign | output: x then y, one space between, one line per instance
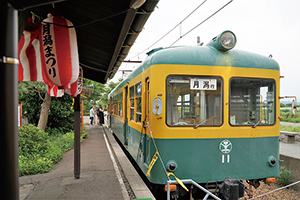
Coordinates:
203 84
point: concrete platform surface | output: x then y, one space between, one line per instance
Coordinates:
99 177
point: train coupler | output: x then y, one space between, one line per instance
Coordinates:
232 189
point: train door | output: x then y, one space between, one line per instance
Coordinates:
147 138
126 117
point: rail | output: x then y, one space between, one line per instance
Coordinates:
276 190
208 193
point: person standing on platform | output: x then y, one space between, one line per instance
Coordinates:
92 114
98 114
101 115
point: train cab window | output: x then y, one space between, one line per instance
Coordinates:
194 101
252 102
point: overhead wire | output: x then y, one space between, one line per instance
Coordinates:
180 24
170 30
201 23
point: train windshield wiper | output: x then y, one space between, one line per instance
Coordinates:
254 125
201 123
260 120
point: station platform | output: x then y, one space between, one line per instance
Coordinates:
106 174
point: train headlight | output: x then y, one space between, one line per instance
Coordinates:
171 165
224 41
272 161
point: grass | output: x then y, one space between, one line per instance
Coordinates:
290 128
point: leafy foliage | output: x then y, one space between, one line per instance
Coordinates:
32 140
61 116
99 96
286 115
39 151
284 177
29 95
33 147
288 105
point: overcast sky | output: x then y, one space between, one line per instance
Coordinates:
261 26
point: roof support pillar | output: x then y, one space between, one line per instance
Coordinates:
9 174
77 137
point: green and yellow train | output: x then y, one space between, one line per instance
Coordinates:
206 112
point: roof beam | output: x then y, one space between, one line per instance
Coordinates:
27 4
124 31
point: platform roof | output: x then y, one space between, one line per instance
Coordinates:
106 29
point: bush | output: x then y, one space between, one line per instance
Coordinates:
84 135
32 140
284 177
286 115
34 165
38 152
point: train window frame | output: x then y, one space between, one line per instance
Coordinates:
131 103
120 102
117 104
131 91
115 108
131 117
138 101
256 121
199 122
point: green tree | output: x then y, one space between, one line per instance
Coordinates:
61 116
100 94
32 94
42 110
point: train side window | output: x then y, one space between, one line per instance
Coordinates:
115 105
131 92
252 102
121 104
121 109
131 96
132 109
194 100
138 100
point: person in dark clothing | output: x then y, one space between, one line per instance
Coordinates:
101 115
98 114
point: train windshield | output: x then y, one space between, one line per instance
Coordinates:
194 100
252 102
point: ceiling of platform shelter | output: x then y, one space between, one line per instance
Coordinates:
106 29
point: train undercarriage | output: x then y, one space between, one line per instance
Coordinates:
229 189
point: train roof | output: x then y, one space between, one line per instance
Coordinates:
202 55
209 56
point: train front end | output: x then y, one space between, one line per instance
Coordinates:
213 116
